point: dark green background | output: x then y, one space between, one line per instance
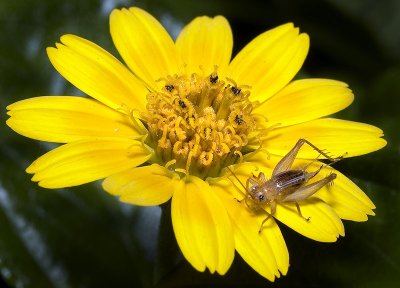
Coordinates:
82 237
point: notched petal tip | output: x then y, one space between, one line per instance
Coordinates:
51 50
285 26
221 18
305 39
114 13
136 10
68 37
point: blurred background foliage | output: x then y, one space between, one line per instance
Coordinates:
82 237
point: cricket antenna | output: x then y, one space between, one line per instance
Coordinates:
234 175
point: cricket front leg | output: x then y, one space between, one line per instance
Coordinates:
273 210
306 191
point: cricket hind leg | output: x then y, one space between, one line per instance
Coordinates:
287 161
299 211
321 152
306 191
310 175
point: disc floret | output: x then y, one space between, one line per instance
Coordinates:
201 123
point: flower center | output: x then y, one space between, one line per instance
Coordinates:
200 123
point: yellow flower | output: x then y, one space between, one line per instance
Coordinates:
168 125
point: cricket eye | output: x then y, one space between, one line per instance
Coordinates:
261 197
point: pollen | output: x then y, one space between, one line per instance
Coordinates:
201 123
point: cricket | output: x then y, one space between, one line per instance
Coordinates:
286 185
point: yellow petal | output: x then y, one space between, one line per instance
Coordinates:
204 43
265 252
97 73
305 100
145 186
202 226
333 135
324 224
270 61
87 160
65 119
144 44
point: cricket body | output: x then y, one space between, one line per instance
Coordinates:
287 185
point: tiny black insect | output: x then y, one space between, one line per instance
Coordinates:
236 91
169 87
213 78
239 119
182 104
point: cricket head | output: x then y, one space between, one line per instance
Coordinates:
261 193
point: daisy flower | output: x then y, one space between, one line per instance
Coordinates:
169 123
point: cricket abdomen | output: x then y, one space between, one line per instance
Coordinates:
290 179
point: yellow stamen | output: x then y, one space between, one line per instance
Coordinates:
206 158
201 122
